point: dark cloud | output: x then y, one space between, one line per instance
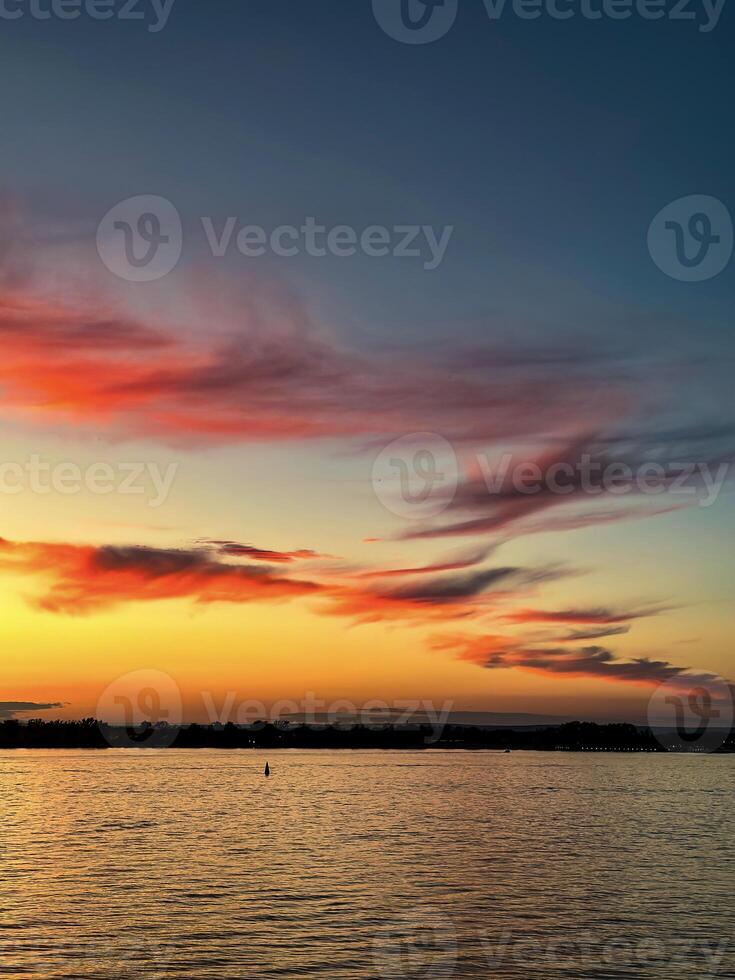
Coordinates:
232 549
454 588
506 652
9 709
597 615
423 597
574 636
505 493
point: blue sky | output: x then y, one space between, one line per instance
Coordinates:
548 145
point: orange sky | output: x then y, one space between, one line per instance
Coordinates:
260 546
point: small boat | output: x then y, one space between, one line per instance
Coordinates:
507 751
267 769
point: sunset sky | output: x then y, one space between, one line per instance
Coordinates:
267 387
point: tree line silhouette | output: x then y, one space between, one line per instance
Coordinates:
90 733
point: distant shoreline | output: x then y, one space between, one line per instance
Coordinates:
260 737
346 748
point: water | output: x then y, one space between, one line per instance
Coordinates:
186 864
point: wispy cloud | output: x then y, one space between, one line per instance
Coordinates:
272 375
83 579
496 652
233 549
10 709
451 563
560 487
87 579
600 614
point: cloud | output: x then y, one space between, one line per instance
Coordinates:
451 563
9 709
442 597
262 371
266 374
269 374
600 614
232 549
503 652
558 653
575 636
532 492
85 578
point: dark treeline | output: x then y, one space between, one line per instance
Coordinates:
91 734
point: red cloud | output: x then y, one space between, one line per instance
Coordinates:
85 579
129 378
232 549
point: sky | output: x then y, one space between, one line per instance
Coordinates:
352 466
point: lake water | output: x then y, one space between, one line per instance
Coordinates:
185 864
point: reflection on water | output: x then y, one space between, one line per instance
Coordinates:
185 864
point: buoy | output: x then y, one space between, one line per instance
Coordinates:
267 769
